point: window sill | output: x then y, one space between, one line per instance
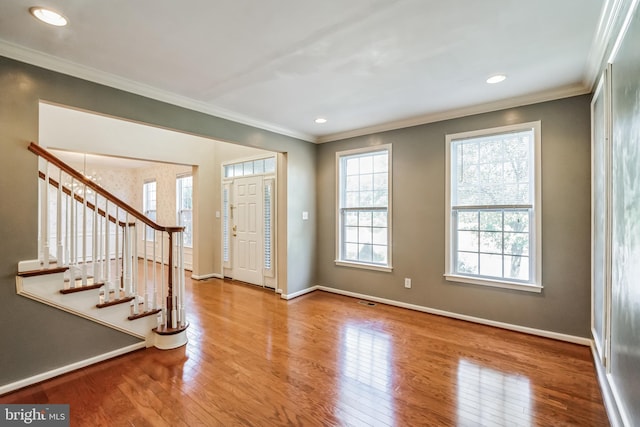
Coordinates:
494 283
364 266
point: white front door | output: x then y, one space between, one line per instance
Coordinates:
247 230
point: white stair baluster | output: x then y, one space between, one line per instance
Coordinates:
84 234
117 280
94 239
134 261
107 253
44 217
59 236
154 284
73 236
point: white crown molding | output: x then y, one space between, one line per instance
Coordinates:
559 93
608 26
53 63
622 30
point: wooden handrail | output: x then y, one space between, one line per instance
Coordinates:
38 150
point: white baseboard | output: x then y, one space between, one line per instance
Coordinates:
207 276
609 396
7 388
297 294
511 327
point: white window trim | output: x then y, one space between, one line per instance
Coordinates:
536 285
362 265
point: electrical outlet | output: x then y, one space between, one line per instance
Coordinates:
407 282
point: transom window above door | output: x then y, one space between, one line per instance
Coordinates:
251 167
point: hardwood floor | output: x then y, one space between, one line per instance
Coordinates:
323 360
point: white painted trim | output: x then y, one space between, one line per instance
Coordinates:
169 342
494 283
207 276
297 294
535 271
611 404
364 266
624 417
563 92
50 62
609 16
54 63
524 329
623 31
29 265
340 155
7 388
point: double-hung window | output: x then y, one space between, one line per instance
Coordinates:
149 205
184 203
364 208
493 207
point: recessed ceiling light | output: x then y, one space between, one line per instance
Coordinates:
49 16
496 79
321 120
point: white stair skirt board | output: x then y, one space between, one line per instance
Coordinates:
46 289
7 388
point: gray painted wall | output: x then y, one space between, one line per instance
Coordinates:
625 301
419 218
41 338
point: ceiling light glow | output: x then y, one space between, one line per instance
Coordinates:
496 79
49 16
321 120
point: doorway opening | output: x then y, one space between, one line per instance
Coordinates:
249 220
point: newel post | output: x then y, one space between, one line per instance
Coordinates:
172 333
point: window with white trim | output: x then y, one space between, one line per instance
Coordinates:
149 205
184 203
493 207
226 221
364 208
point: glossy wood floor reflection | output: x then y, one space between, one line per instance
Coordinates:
324 360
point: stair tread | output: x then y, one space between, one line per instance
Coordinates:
145 314
42 272
114 302
81 288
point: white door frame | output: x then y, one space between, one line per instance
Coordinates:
268 183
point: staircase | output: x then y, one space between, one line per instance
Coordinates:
93 259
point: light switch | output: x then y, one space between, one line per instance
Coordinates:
218 214
305 215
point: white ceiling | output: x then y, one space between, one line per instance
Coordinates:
365 65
